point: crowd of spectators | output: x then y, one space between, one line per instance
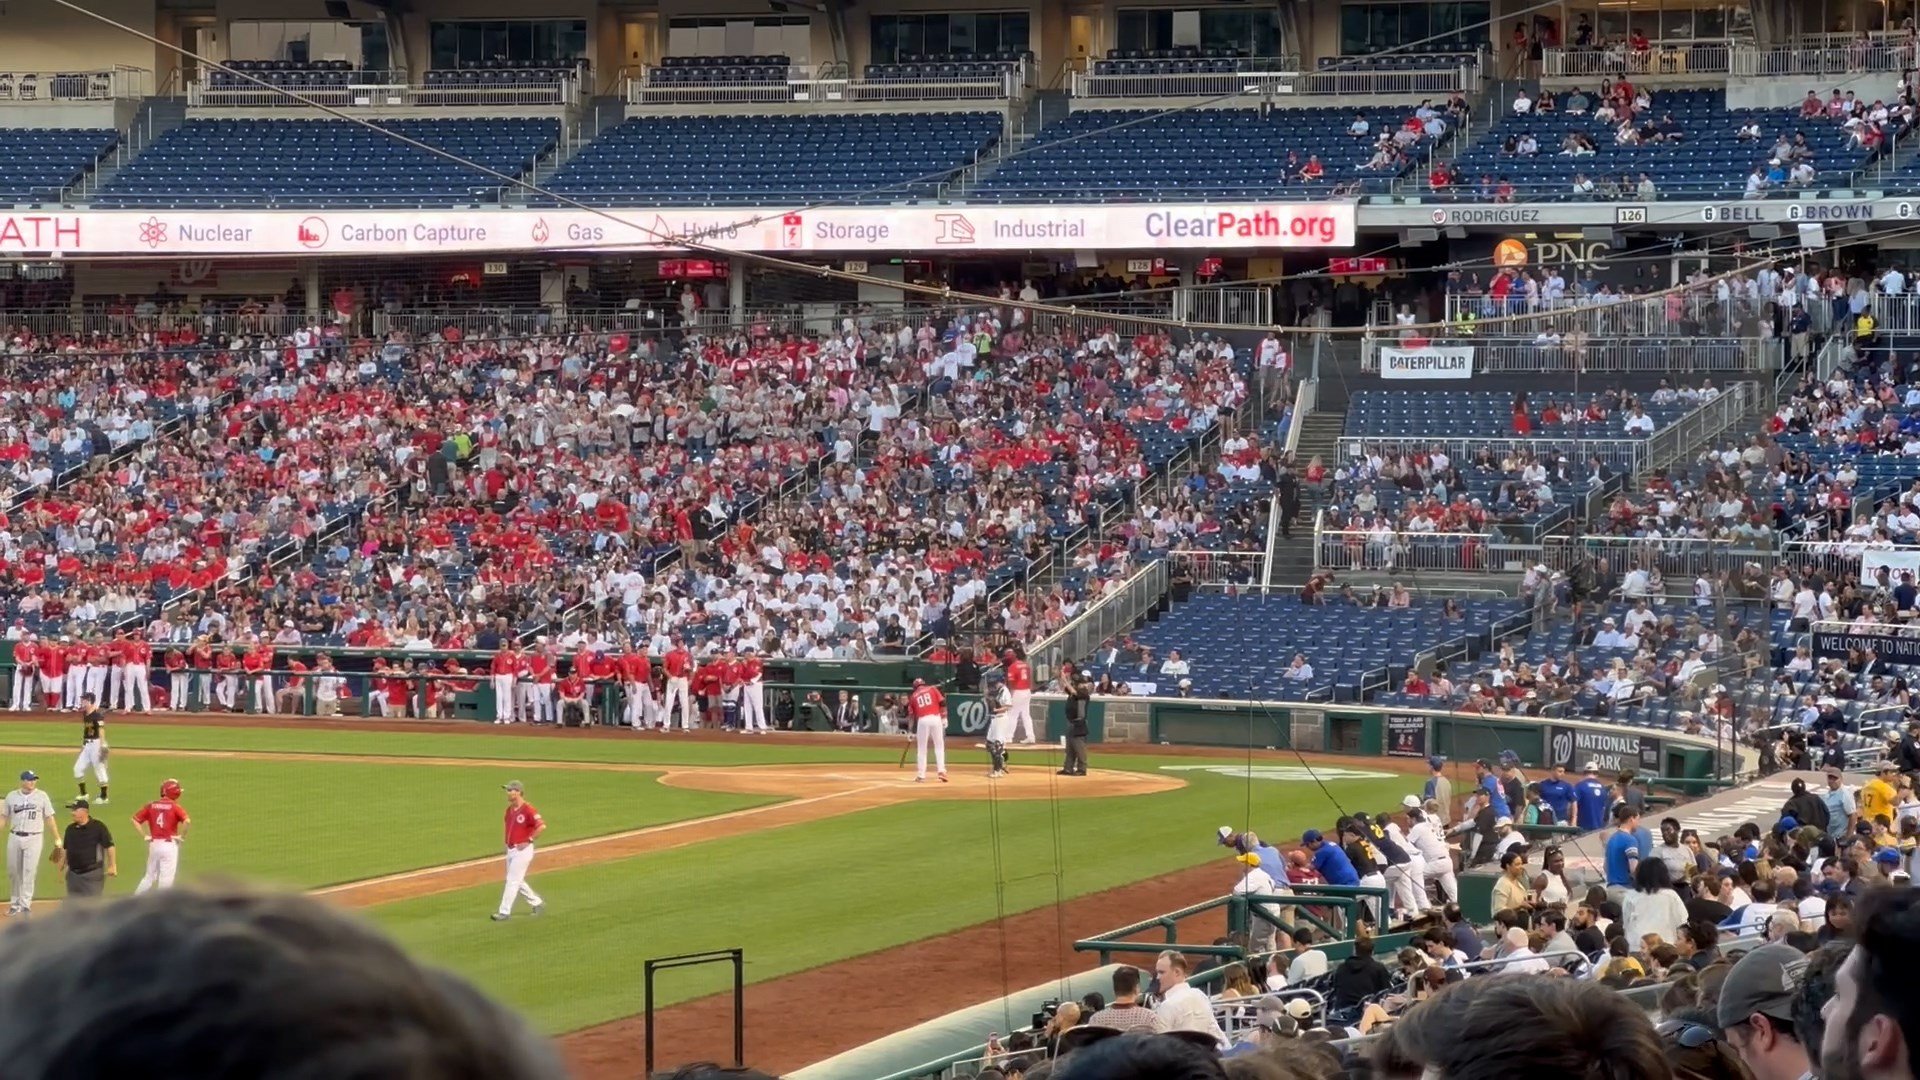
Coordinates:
839 494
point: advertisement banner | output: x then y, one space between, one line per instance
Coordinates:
1896 560
1433 362
1832 640
1145 226
1406 735
1613 751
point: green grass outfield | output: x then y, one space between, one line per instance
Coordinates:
795 897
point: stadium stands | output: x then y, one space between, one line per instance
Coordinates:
1200 154
768 160
1349 649
1480 414
1705 155
36 164
320 163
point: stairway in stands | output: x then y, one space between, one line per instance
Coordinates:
1291 560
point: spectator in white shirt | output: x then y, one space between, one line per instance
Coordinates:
1299 670
1173 667
1182 1007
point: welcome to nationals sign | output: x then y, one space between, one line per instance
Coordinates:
1430 362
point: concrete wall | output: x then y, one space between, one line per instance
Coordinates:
1787 91
36 35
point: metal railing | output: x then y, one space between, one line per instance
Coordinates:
1234 569
384 90
1583 354
1818 58
1700 426
1679 559
1894 314
107 84
1115 613
1683 57
1392 550
804 89
1613 315
1277 83
1622 455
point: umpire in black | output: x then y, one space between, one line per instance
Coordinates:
1078 689
89 852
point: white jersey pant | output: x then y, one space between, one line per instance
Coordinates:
204 681
262 686
1404 888
1441 871
753 706
543 703
23 869
1375 880
677 691
24 684
1417 872
163 861
1022 714
97 682
116 681
503 699
226 693
518 861
177 690
377 703
92 756
1000 729
76 684
638 704
139 691
525 703
931 731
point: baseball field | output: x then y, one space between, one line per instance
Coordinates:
864 902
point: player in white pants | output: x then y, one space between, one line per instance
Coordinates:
999 729
30 823
26 677
524 824
97 677
677 690
138 690
753 706
77 673
928 707
93 748
163 822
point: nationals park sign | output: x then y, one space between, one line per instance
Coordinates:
1137 227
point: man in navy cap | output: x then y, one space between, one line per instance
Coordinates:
1439 789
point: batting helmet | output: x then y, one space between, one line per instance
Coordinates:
918 683
170 789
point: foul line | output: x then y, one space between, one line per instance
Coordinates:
671 826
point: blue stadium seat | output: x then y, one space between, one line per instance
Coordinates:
36 163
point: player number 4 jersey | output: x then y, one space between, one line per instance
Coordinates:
163 818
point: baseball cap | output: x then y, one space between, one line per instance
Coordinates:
1225 834
513 785
29 774
1501 822
1436 761
1411 802
1509 756
1248 858
1311 836
1299 1008
80 803
1764 981
1786 825
1887 857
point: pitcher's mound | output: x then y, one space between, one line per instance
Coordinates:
888 784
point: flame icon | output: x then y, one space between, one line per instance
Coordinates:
540 231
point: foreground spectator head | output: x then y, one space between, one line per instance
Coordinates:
1756 1011
1816 989
1521 1025
227 983
1141 1057
1873 1019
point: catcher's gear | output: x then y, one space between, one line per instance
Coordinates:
170 789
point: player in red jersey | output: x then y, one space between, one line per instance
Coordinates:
505 669
258 664
636 678
753 692
524 823
177 680
679 665
26 674
1020 689
928 707
164 823
226 668
135 682
53 672
200 661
